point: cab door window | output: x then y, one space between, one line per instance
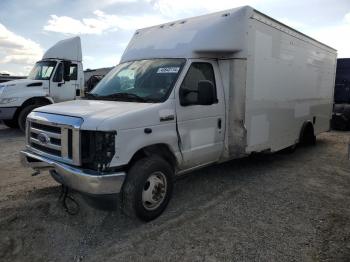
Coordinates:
58 77
197 72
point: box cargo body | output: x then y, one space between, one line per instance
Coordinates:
275 78
187 94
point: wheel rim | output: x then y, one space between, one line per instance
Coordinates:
154 191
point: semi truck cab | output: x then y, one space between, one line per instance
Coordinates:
57 77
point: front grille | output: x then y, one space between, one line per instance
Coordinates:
46 149
54 129
59 141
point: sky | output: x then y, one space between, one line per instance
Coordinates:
29 27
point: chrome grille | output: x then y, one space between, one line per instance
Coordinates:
53 145
54 136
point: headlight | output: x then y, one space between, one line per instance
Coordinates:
97 148
8 100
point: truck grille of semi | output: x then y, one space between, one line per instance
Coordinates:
59 142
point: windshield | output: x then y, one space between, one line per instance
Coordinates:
42 70
141 81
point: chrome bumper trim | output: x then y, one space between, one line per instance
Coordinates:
86 181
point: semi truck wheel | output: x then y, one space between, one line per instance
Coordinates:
22 117
148 188
11 123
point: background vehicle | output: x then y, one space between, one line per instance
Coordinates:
8 77
341 109
57 77
217 87
93 76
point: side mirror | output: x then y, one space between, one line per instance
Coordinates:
66 70
206 92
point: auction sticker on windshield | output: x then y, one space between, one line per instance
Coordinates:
167 70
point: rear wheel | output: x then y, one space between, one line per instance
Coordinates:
22 117
308 137
289 150
12 123
148 188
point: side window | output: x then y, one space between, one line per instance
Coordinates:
198 71
58 77
73 72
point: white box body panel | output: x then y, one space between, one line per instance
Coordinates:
290 80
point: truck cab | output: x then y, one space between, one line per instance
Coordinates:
56 78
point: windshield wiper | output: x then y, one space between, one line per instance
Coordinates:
124 96
90 96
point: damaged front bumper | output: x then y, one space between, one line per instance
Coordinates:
86 181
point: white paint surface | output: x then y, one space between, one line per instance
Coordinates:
302 109
202 137
68 49
259 130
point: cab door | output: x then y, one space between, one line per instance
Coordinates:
201 127
61 90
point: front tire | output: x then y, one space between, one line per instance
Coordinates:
22 117
148 188
11 123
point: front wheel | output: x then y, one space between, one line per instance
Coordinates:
148 188
11 123
22 117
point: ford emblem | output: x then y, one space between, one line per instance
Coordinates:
43 138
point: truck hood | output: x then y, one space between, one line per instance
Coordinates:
21 82
24 88
106 115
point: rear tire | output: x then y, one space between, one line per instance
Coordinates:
11 123
148 188
308 137
289 150
22 117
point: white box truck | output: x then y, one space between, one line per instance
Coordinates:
185 95
57 77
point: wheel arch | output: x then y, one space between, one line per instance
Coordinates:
307 128
160 149
38 100
307 125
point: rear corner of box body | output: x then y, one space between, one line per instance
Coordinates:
289 81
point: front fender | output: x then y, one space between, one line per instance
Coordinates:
130 141
25 96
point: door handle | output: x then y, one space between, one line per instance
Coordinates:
219 123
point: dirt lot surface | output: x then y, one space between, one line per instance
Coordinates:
278 207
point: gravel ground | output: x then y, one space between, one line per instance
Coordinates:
278 207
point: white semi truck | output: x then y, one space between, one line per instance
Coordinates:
185 95
57 77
